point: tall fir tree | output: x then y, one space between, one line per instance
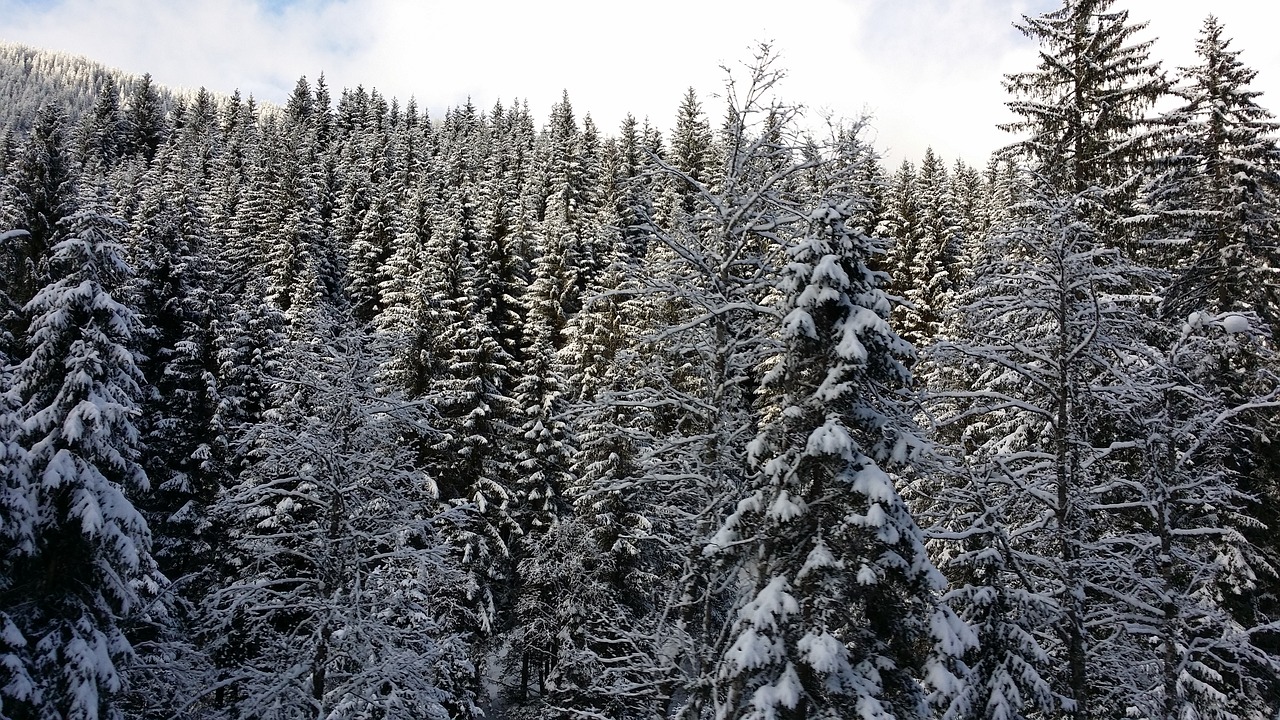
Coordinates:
842 601
1082 111
1215 194
82 568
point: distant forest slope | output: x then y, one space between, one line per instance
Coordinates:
30 77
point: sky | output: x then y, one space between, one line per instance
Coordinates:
927 72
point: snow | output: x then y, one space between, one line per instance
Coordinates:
771 604
785 692
752 650
10 633
875 515
62 469
1234 324
784 508
871 481
829 269
830 439
798 323
822 652
819 557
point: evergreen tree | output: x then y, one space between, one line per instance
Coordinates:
145 120
1047 415
475 455
1197 559
900 224
842 597
1211 206
1217 191
44 191
173 290
82 567
1081 110
103 139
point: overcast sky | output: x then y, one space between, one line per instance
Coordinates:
928 71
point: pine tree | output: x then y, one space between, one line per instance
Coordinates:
174 292
44 195
1217 191
1211 201
475 454
82 568
1081 110
931 247
842 597
545 479
145 120
900 224
1008 666
103 139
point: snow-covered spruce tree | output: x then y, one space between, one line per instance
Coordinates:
16 525
248 343
545 552
17 532
364 202
474 456
102 140
402 326
1081 111
1215 195
288 200
42 192
690 383
606 544
81 568
145 125
544 477
508 217
704 283
173 289
900 224
840 614
340 606
174 292
976 216
692 152
226 204
928 247
1008 665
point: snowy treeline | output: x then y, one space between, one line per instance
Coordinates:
342 411
30 78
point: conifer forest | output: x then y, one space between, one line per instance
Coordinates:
337 411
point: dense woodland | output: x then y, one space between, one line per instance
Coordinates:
336 410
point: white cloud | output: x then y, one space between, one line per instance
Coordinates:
928 70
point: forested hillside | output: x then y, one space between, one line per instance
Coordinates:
30 77
342 411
